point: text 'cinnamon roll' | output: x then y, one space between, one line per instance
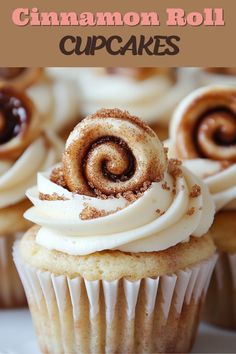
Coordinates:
112 152
204 125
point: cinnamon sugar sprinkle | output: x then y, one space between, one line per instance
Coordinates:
158 211
191 211
165 186
195 192
174 168
89 213
57 176
51 197
119 114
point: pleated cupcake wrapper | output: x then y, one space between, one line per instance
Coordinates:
220 306
219 270
11 289
184 287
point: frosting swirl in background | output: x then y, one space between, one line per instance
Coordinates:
153 98
174 205
218 172
57 102
17 176
214 76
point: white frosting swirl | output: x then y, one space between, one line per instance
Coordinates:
157 220
221 182
56 100
153 98
17 176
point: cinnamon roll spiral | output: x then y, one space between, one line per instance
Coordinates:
19 123
112 152
204 125
19 78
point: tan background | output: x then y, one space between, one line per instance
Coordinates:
39 46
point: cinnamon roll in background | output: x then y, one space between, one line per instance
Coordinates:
25 149
121 253
203 134
56 99
151 93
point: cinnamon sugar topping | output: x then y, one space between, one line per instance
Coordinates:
117 113
195 192
89 213
191 211
57 176
174 167
165 186
51 197
159 212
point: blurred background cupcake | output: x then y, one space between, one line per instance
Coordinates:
56 99
212 76
203 134
122 260
151 93
24 150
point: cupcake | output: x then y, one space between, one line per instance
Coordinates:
151 93
24 149
55 98
213 76
120 259
203 133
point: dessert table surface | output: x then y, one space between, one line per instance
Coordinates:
17 336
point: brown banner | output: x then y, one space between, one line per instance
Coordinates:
204 35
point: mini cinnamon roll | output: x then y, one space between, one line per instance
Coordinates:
112 152
55 99
20 78
204 125
19 122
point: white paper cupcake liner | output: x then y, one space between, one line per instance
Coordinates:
220 306
11 290
144 316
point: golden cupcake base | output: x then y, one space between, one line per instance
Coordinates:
72 314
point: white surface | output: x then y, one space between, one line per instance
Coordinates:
17 336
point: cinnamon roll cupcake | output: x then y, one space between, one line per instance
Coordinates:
24 150
55 98
121 258
213 76
151 93
203 133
